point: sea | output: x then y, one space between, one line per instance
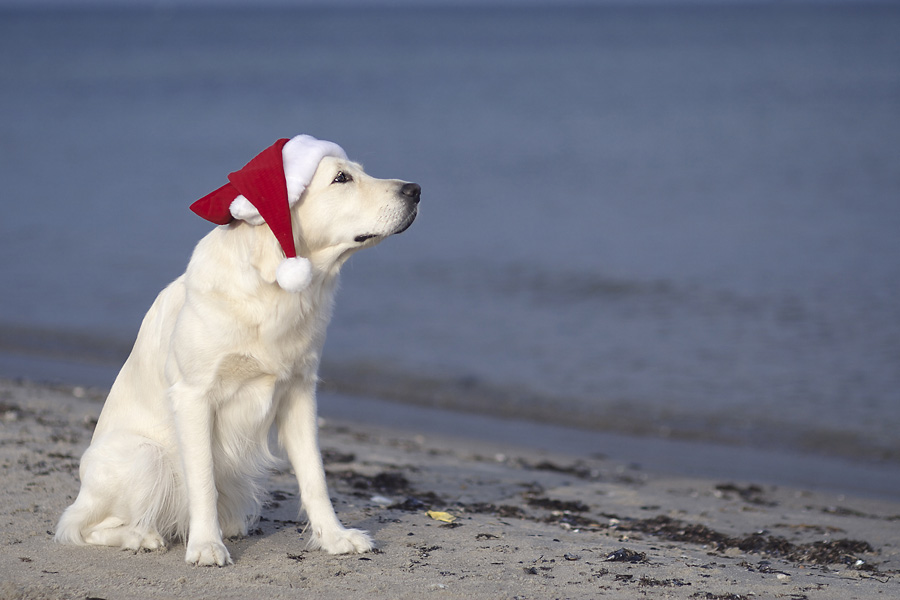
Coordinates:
647 227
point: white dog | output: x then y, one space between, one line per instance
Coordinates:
225 351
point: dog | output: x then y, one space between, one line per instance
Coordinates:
225 354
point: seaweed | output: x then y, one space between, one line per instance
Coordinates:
752 494
645 581
418 502
559 505
385 482
841 551
626 555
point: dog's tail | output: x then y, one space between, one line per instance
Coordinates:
74 520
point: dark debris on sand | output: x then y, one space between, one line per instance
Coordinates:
830 552
576 515
627 556
387 482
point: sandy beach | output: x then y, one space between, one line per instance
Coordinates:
452 519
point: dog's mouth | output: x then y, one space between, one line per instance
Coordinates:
400 229
407 222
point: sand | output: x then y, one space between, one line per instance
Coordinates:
524 525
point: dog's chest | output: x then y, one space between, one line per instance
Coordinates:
287 343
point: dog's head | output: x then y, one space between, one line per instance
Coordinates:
343 210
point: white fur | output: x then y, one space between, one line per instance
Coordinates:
181 445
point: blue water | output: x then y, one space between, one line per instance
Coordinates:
674 222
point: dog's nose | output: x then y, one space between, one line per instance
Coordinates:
412 191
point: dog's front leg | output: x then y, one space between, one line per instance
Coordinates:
298 433
193 422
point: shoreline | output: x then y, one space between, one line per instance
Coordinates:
95 360
677 457
687 457
525 523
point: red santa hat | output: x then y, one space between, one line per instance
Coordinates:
264 192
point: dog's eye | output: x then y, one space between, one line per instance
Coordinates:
342 177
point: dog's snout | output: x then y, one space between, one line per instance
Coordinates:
412 191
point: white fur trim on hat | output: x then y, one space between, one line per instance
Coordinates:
242 210
294 274
301 156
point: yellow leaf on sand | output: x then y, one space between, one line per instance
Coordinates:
441 516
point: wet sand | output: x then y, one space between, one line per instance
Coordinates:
453 519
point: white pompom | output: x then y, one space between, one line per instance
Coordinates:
294 274
242 210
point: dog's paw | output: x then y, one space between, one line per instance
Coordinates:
135 541
153 541
208 554
341 541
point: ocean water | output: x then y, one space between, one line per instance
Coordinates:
675 222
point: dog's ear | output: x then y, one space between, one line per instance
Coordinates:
267 258
266 254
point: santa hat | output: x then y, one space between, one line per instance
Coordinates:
264 192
